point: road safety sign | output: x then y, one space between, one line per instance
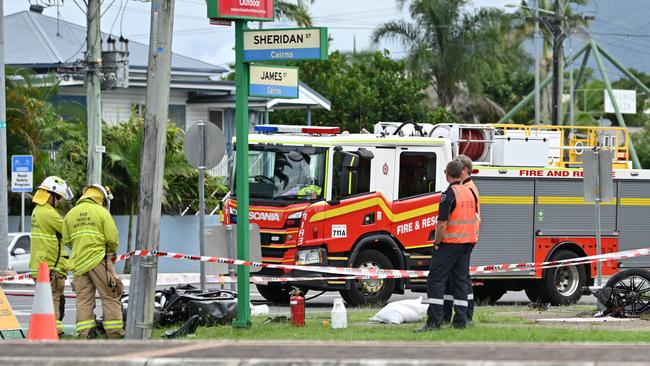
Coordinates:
285 44
273 81
8 319
22 173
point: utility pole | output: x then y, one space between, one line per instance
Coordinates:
4 208
139 323
558 62
93 92
538 50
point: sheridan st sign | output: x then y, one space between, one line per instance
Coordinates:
285 44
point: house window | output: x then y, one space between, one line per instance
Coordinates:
417 173
216 117
177 115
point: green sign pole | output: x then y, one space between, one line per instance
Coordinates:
241 173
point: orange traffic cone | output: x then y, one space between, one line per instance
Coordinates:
42 323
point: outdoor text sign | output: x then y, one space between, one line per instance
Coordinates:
285 44
22 173
255 10
273 81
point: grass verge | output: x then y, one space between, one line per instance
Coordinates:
491 325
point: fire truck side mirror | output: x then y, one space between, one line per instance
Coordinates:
365 154
350 160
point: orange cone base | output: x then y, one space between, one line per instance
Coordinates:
42 327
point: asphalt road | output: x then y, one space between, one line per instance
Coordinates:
300 353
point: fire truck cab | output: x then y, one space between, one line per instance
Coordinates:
371 200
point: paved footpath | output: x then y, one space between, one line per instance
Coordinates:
231 353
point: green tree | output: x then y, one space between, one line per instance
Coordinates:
297 11
363 90
122 172
36 125
454 48
642 143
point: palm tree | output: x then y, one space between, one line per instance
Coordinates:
453 47
294 11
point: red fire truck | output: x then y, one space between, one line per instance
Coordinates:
371 200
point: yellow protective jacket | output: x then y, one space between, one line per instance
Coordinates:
90 231
46 245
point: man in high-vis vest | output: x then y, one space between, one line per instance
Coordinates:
90 231
454 238
467 181
46 236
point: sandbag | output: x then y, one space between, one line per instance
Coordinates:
403 311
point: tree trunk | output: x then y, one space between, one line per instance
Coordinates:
129 245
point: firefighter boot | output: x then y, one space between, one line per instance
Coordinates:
427 327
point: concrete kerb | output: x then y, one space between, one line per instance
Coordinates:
72 361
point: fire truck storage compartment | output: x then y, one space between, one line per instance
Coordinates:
520 151
507 213
634 219
561 210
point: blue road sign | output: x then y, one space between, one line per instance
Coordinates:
22 173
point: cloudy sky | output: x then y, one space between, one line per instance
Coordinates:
349 21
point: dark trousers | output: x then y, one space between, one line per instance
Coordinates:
448 261
449 299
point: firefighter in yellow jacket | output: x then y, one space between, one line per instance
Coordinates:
90 231
46 236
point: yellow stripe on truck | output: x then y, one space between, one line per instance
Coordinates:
557 200
506 200
635 201
375 201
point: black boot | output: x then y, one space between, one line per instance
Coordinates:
427 327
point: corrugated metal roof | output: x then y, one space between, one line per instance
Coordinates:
31 39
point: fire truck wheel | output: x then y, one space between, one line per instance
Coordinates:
370 292
562 285
276 293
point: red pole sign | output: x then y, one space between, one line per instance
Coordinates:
256 10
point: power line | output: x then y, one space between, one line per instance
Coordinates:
631 35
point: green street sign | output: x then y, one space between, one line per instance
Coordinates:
287 44
269 81
253 10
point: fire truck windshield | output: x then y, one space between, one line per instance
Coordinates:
283 173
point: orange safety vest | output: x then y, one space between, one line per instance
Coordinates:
470 184
463 222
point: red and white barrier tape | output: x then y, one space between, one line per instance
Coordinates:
19 277
347 273
396 273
